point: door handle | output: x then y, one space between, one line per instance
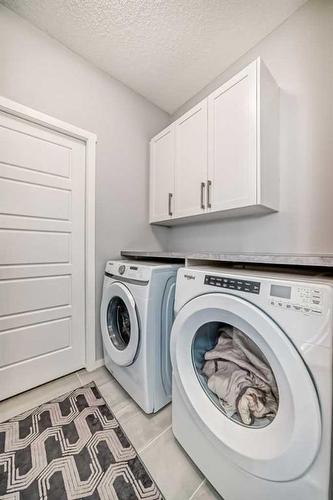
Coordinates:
209 185
169 204
202 196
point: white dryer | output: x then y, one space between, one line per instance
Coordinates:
136 318
288 319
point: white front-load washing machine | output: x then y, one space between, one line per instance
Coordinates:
136 318
288 321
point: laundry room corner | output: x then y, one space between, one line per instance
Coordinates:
117 116
166 250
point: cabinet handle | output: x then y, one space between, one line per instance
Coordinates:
169 204
209 203
202 201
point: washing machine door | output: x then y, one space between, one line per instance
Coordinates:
119 324
278 449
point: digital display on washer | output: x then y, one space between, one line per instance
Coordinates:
283 292
233 284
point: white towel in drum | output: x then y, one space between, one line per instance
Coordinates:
244 383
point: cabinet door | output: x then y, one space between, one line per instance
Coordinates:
162 171
191 161
232 143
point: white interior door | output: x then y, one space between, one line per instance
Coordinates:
42 255
191 161
232 142
162 172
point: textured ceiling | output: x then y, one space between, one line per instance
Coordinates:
166 50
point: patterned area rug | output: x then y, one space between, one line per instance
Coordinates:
71 448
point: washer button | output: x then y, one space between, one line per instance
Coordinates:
121 269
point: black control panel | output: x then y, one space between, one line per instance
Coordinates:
233 284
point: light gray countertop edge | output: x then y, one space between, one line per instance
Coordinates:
325 260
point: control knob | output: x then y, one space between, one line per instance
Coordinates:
121 269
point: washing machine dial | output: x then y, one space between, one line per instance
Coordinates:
121 269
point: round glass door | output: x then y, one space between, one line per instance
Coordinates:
119 324
235 374
281 437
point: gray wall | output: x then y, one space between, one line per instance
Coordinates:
37 71
299 54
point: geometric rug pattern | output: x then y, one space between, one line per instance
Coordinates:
71 448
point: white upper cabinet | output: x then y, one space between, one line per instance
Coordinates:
232 143
224 154
191 161
162 175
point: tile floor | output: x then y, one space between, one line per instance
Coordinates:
151 435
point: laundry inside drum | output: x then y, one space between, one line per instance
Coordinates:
235 374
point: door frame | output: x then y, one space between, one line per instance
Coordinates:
19 110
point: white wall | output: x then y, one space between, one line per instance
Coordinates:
37 71
299 54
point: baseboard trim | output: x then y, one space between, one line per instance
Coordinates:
94 365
